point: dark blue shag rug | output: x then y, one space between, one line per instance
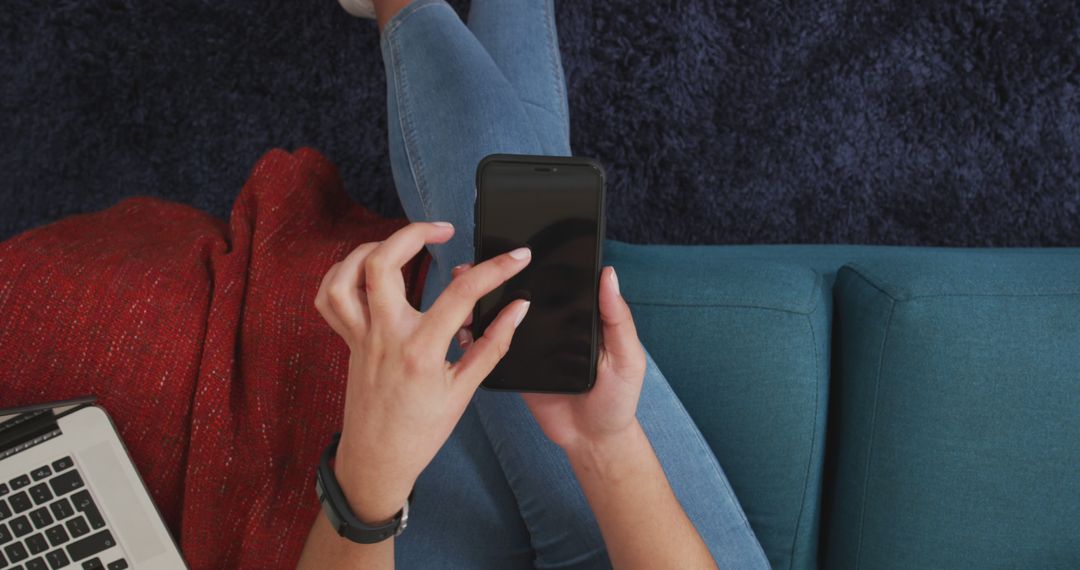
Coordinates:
920 123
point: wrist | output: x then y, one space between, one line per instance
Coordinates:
606 456
372 499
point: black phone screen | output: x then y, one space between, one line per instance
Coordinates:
555 209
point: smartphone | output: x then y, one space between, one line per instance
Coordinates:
555 207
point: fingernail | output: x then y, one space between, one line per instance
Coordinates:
521 314
462 337
459 267
614 280
521 253
443 224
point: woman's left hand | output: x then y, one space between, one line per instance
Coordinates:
607 412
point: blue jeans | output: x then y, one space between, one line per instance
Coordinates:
499 494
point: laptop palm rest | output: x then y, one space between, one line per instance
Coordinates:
110 482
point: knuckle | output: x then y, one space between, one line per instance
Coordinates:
377 263
413 357
502 345
467 288
337 295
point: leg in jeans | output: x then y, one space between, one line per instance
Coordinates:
451 103
520 37
464 514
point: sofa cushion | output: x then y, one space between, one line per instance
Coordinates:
956 388
744 344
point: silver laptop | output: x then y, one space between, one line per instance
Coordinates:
70 496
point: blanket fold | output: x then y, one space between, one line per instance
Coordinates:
201 339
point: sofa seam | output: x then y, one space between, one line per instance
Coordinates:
873 426
977 295
877 283
813 438
717 468
631 301
870 279
819 285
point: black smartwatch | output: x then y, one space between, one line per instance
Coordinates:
336 506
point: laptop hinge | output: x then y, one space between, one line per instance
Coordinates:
27 430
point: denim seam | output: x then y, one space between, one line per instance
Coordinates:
813 438
401 87
873 425
555 59
541 107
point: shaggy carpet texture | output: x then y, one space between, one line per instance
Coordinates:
917 123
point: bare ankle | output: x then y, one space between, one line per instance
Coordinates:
385 10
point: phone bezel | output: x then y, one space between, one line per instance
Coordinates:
552 161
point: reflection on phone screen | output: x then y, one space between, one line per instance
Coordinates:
558 219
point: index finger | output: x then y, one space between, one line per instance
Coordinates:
456 302
382 268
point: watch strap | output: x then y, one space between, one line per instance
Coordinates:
336 506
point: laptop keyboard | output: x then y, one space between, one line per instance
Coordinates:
48 520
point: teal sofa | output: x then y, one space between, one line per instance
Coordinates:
879 407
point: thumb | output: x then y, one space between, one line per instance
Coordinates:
621 344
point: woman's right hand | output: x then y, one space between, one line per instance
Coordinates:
403 398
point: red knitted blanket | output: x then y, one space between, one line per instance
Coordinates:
201 339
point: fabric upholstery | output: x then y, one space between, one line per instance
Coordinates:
744 344
956 394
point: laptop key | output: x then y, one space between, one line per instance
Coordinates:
65 482
36 544
36 564
20 526
20 502
16 552
93 564
40 493
91 545
118 565
41 473
85 505
41 517
77 527
57 535
3 489
20 482
57 559
5 535
62 463
61 509
5 511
